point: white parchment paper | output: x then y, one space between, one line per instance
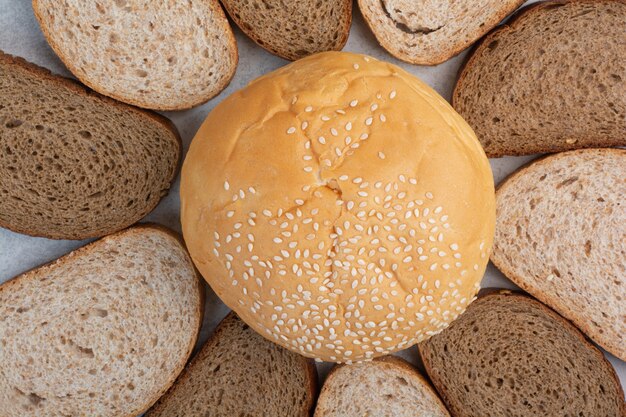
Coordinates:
20 35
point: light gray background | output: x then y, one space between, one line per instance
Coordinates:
20 35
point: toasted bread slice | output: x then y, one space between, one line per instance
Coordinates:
509 355
551 79
102 331
560 235
293 29
74 164
162 55
387 387
239 373
429 32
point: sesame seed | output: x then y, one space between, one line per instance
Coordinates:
381 155
369 121
392 95
308 109
321 140
354 103
334 132
304 125
383 118
349 126
356 66
291 130
325 118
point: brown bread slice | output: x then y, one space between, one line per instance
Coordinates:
429 32
74 164
561 236
387 387
162 55
293 29
239 373
102 331
551 79
510 356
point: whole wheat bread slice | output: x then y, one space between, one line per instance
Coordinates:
163 55
102 331
551 79
561 236
509 355
429 32
239 373
386 387
74 164
293 29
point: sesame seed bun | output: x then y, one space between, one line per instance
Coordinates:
340 206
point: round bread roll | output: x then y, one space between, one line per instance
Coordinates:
340 206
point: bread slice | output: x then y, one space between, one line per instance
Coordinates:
429 32
509 355
163 55
239 373
102 331
561 236
293 29
74 164
551 79
386 387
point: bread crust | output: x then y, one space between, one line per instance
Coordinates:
234 55
85 250
344 31
309 364
614 347
81 90
454 50
511 24
456 409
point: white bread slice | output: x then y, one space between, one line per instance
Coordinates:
102 331
561 236
386 387
162 55
549 80
429 32
509 355
293 29
239 373
75 164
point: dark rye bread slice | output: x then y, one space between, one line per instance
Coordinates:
239 373
103 331
510 356
161 55
293 29
561 236
551 79
429 32
74 164
386 387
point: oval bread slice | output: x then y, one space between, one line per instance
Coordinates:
75 164
162 55
551 79
239 373
561 236
429 32
387 387
102 331
509 355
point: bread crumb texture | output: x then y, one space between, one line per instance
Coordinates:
103 331
340 206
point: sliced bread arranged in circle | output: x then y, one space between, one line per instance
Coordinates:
239 373
561 236
386 387
75 164
551 79
293 29
103 331
162 55
509 355
429 32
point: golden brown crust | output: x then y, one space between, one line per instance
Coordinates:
614 347
442 57
424 350
234 55
84 250
79 89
